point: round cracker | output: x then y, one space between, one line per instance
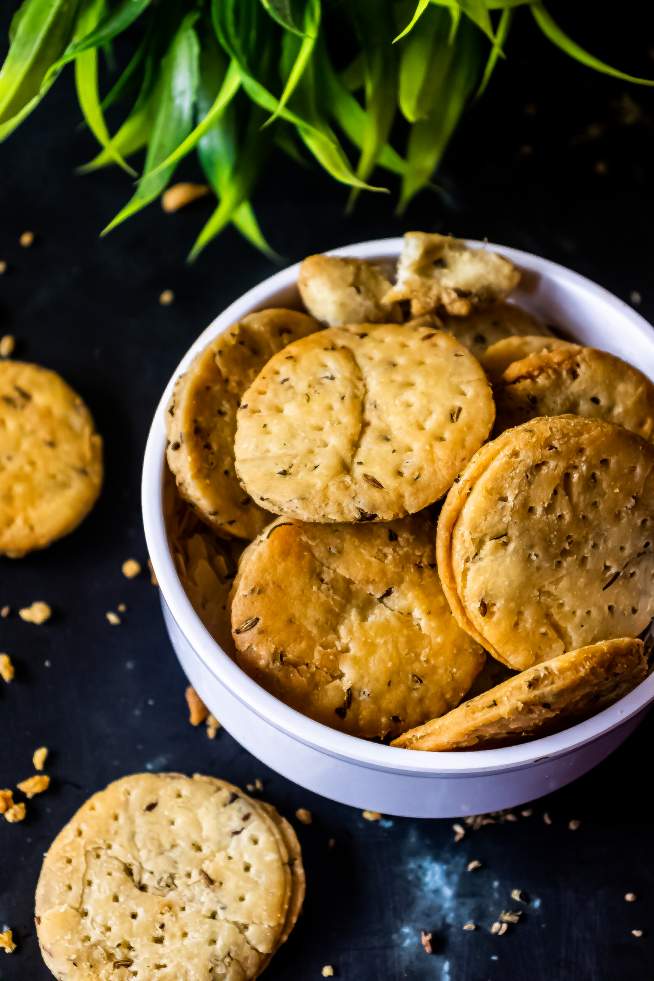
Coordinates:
544 544
206 564
576 379
497 358
487 325
159 872
361 423
338 290
544 698
50 458
349 625
201 417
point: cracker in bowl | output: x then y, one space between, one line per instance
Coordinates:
488 324
201 417
361 423
546 542
440 272
502 353
349 624
339 291
540 700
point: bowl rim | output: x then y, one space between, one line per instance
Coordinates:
272 710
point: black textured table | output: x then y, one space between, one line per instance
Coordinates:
554 160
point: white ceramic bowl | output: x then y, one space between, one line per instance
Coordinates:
351 770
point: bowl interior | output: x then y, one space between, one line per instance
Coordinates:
576 307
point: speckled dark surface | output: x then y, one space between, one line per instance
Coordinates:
107 701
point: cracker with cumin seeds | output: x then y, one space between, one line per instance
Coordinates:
201 417
438 272
489 324
50 458
337 290
361 423
546 542
501 354
206 564
349 624
543 699
576 379
159 871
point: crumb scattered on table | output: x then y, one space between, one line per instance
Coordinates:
7 345
131 568
7 670
469 925
112 618
636 933
197 710
7 941
473 865
327 971
182 194
371 815
26 239
5 611
38 612
166 297
39 757
37 784
213 725
304 816
425 940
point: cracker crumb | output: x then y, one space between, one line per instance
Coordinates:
636 933
6 800
131 568
510 916
34 785
213 725
425 940
3 267
7 670
371 815
304 816
499 928
26 239
197 710
153 578
15 813
327 971
473 865
635 298
112 618
470 925
546 818
39 757
527 812
459 832
7 345
122 608
574 825
166 297
255 787
7 941
630 897
5 611
519 896
38 612
180 195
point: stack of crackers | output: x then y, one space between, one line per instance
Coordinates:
412 478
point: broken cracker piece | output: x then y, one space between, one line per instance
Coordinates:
198 711
7 941
34 785
37 613
39 757
7 670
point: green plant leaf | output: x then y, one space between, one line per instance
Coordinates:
350 115
353 76
87 85
380 83
424 59
173 119
417 14
282 12
41 32
232 171
454 79
104 30
553 33
496 50
122 83
304 51
477 12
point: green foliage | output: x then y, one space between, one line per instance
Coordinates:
235 80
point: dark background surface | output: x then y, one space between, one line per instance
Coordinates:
555 160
